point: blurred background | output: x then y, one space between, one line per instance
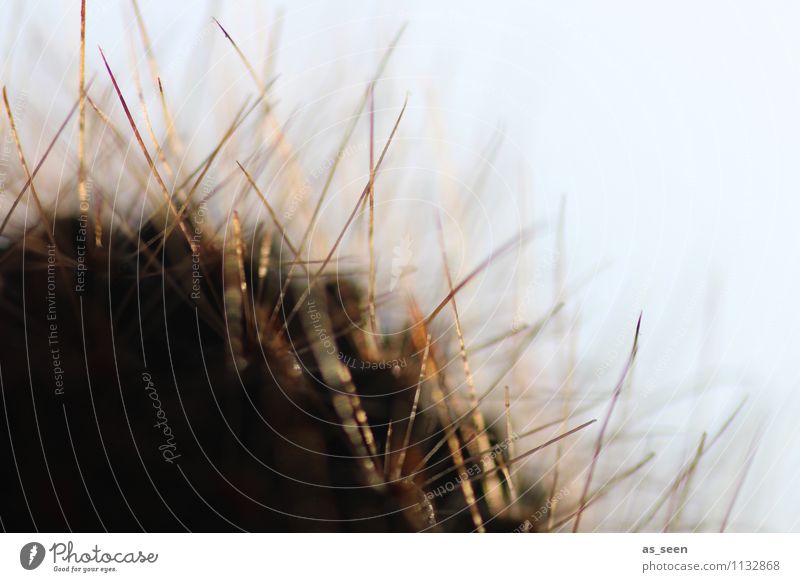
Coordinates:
654 148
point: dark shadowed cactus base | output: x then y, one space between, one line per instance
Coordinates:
137 403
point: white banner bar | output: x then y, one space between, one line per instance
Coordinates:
350 557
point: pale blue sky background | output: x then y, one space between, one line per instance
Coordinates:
672 130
